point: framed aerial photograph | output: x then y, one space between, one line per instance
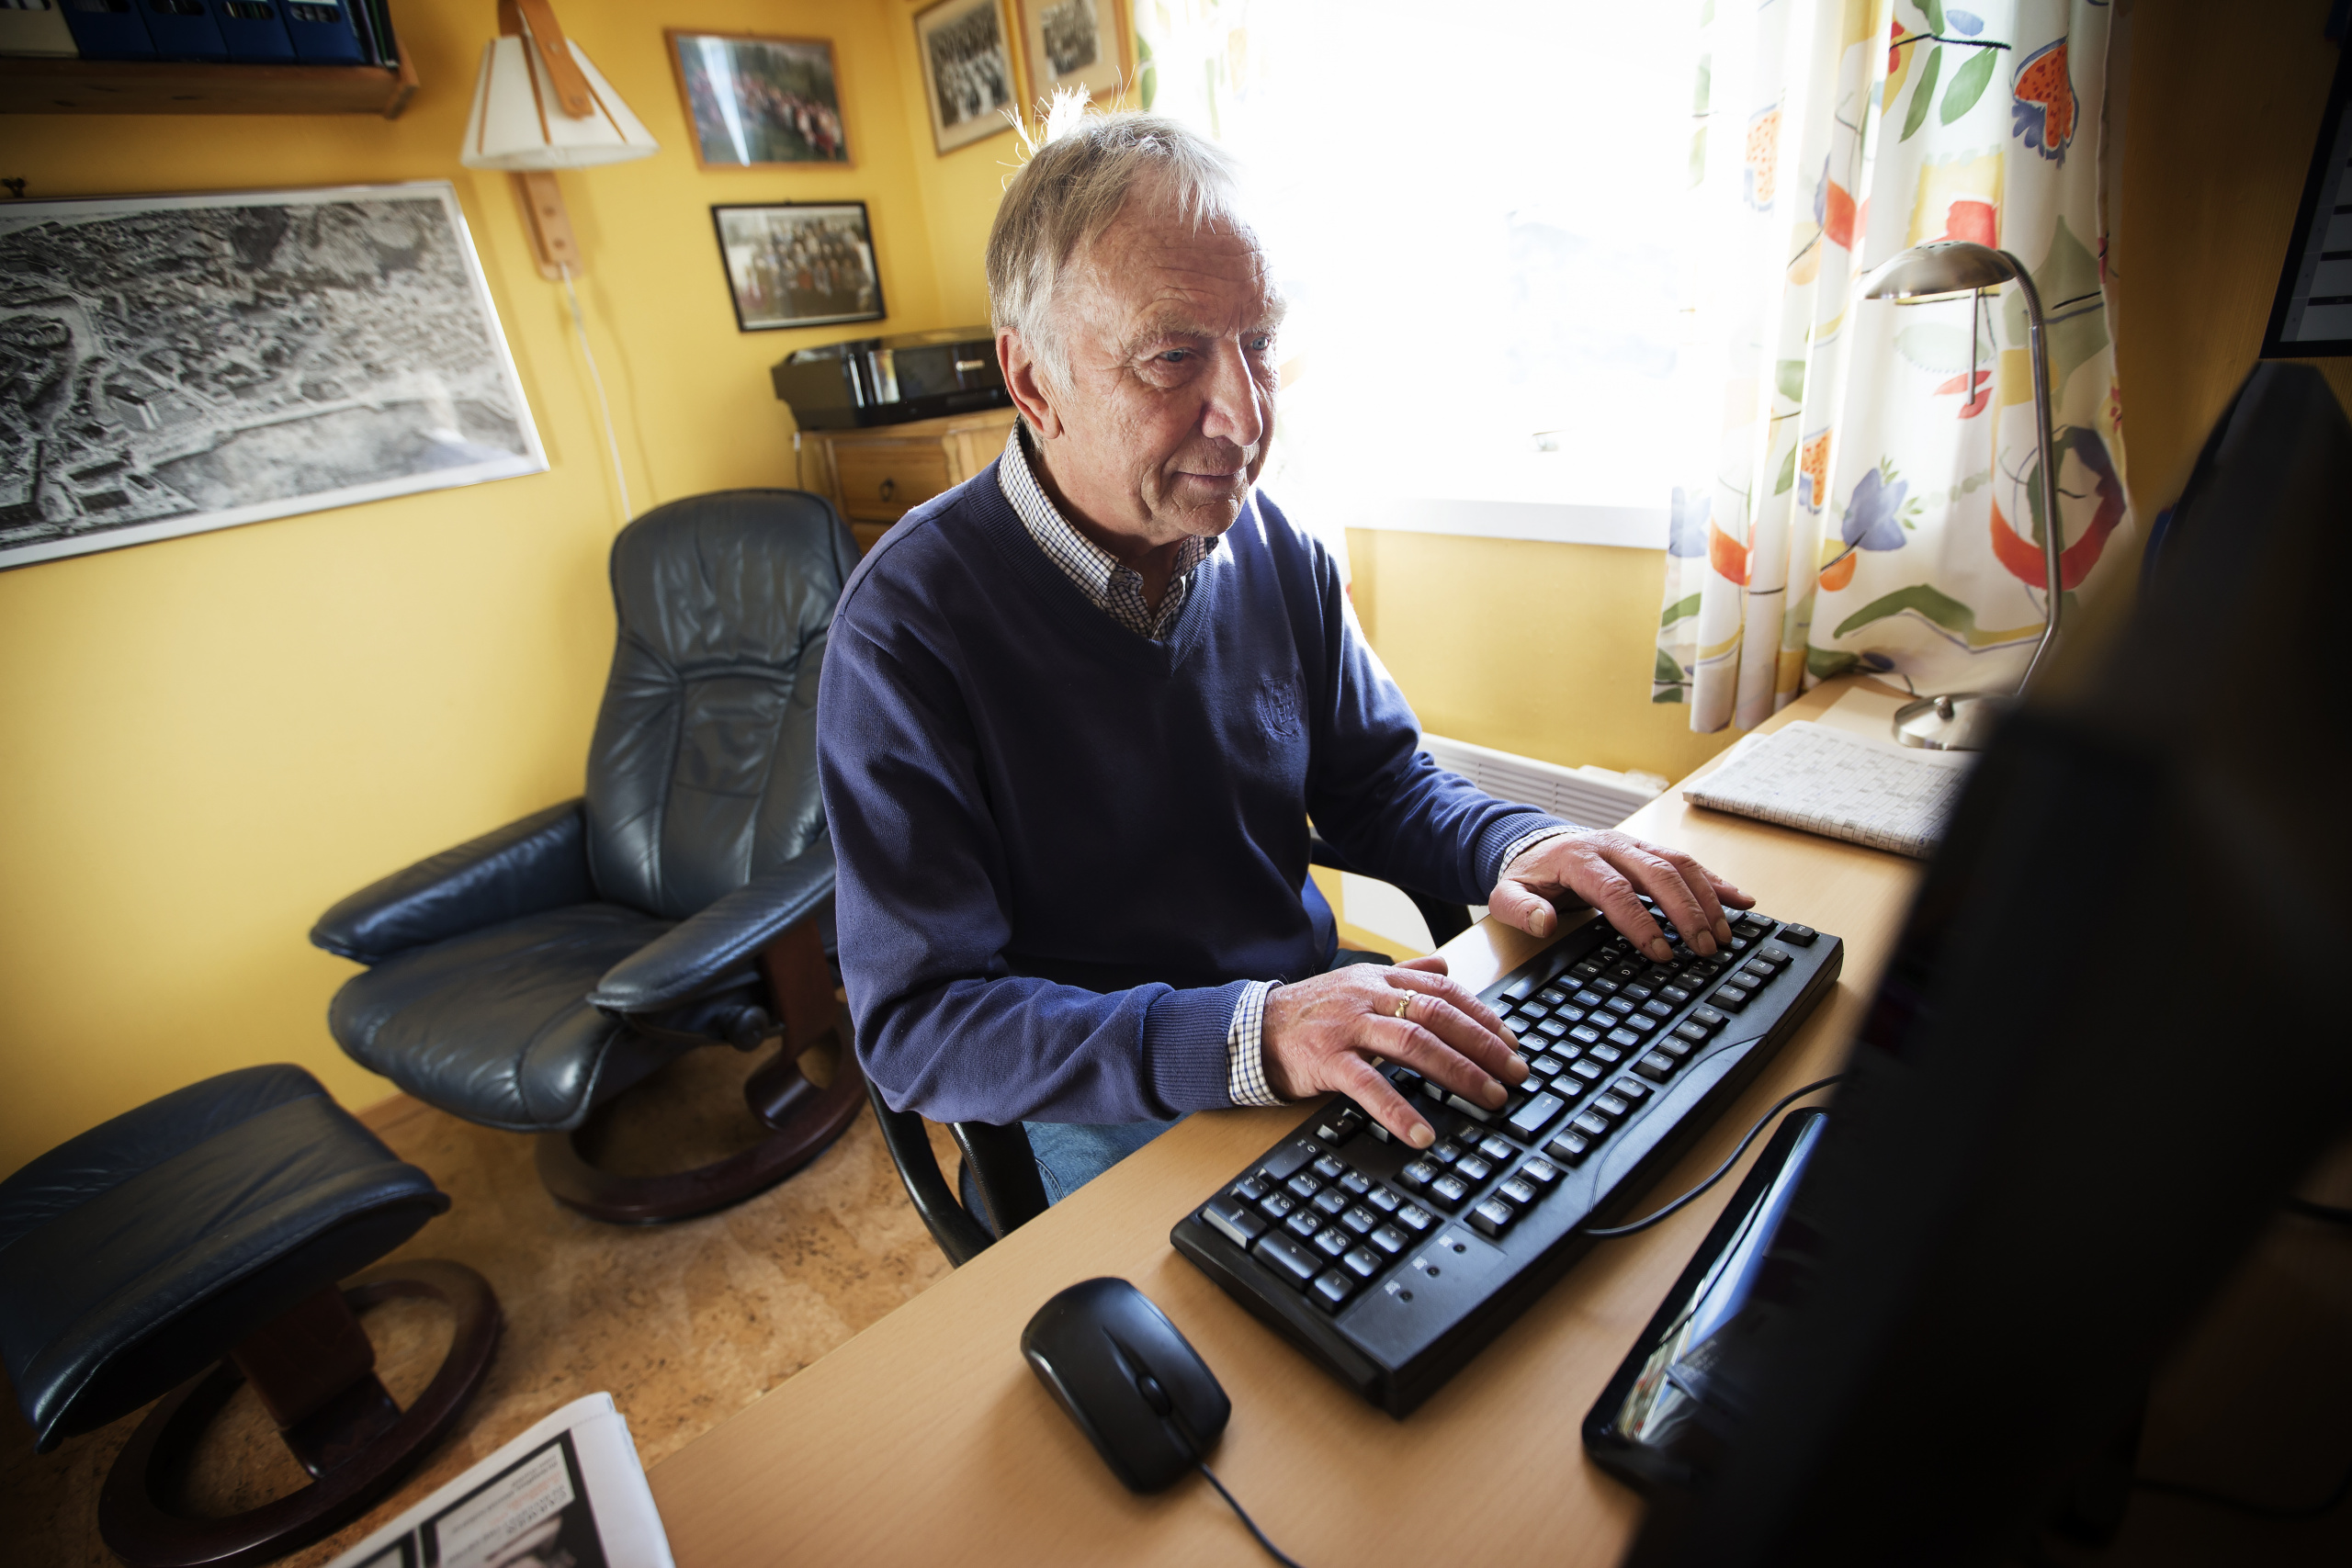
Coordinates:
175 364
966 71
790 264
1081 44
755 102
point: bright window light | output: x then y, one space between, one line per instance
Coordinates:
1474 211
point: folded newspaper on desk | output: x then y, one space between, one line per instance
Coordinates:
1840 784
566 1493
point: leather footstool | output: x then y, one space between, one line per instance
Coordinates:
215 1222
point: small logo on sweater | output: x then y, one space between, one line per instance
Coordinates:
1277 708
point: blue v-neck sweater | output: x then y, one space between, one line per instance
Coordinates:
1064 848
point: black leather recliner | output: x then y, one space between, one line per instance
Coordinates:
1000 1188
524 979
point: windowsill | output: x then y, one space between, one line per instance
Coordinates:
1628 527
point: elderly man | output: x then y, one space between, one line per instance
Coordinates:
1076 713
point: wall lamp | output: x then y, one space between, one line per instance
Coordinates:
1963 721
541 107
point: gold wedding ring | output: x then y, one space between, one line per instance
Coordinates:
1404 1004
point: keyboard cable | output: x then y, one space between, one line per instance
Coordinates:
1271 1550
1611 1232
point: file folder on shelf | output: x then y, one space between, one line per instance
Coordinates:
183 30
253 32
34 28
108 30
323 33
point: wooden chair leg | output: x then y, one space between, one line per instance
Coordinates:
314 1365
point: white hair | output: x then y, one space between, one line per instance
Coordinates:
1081 170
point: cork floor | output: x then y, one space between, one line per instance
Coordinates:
683 1323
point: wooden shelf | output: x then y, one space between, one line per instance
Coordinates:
135 86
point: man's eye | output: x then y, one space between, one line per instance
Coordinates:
1173 356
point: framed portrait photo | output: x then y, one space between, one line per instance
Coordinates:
1081 44
796 264
755 102
966 71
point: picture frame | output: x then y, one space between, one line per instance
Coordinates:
792 263
968 77
1088 45
305 350
2311 317
757 101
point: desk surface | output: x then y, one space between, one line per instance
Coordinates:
927 1439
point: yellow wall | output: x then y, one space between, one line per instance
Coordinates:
205 742
209 740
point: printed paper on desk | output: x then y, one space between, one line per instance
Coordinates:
567 1493
1839 785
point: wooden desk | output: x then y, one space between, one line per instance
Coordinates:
926 1439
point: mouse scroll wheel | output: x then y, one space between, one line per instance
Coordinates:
1153 1395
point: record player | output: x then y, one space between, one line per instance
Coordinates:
891 380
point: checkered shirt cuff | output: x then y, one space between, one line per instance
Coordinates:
1245 1043
1527 841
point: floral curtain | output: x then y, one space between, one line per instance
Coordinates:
1864 493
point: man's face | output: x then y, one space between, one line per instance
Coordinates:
1170 335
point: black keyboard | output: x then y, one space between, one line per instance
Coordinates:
1392 1267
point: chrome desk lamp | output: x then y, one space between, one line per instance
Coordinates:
1963 721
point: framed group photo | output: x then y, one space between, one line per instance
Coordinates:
966 71
755 102
1078 44
799 265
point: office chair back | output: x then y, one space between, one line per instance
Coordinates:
702 769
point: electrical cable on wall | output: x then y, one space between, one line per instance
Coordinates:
612 442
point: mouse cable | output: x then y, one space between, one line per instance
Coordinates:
1611 1232
1271 1550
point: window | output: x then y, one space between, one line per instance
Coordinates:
1474 210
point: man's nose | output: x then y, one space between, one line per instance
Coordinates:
1236 408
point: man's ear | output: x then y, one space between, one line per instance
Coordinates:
1029 385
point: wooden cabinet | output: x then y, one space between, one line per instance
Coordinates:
877 476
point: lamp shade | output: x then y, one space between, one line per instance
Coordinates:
1947 267
518 122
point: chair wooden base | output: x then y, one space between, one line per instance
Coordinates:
352 1438
806 1119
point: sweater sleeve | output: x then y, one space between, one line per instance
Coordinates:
1374 795
945 1027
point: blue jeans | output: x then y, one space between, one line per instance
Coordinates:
1072 1154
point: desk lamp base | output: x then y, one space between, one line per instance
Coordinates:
1961 722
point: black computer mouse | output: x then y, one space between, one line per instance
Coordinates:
1134 1387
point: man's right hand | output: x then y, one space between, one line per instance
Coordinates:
1323 1034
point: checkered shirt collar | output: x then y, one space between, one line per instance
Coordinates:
1113 588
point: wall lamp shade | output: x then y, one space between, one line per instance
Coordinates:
1946 269
519 123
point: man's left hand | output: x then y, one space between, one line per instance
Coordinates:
1607 870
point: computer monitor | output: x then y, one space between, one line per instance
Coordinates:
2111 1039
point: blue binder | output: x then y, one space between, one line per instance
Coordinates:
253 32
108 30
323 33
183 30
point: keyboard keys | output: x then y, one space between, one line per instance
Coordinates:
1473 1168
1359 1219
1585 1035
1609 1105
1695 1033
1731 999
1237 1223
1536 1114
1539 1173
1303 1186
1673 996
1553 1028
1632 1091
1362 1263
1445 1152
1331 1241
1278 1165
1304 1223
1294 1263
1640 1024
1418 1174
1493 1217
1593 1127
1250 1189
1415 1218
1518 1190
1329 1168
1799 936
1332 1290
1659 1011
1655 1066
1330 1200
1496 1149
1590 1070
1382 1200
1551 996
1277 1205
1622 1036
1776 957
1637 993
1544 1067
1607 1053
1475 1113
1708 1018
1449 1191
1568 1147
1338 1130
1389 1239
1761 970
1355 1184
